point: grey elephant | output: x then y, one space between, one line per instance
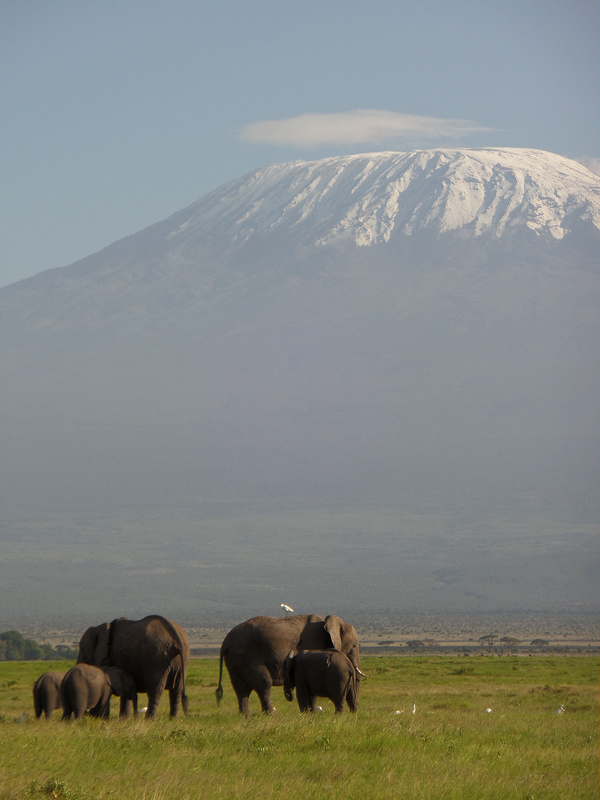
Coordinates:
154 650
46 693
86 687
255 651
320 673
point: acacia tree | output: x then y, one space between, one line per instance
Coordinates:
488 640
540 643
510 643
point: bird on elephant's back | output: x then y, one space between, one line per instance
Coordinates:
254 651
154 650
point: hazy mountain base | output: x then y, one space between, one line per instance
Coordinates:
355 431
208 564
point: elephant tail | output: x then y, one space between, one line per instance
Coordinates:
219 689
184 697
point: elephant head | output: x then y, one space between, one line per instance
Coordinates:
334 633
94 645
122 684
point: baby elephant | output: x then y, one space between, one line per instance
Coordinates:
46 693
88 687
320 673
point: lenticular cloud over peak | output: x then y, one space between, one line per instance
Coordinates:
362 126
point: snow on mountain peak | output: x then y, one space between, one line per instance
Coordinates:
369 198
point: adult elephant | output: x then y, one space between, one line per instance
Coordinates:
255 651
46 693
154 650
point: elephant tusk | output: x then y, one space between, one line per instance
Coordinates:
361 673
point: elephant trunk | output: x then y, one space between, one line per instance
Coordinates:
288 677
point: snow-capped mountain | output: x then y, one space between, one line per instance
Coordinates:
395 351
368 199
279 222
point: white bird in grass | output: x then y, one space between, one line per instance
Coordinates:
560 710
287 609
413 711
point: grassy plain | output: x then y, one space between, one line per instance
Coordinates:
451 748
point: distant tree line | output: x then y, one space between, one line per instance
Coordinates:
15 647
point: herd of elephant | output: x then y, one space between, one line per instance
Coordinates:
316 656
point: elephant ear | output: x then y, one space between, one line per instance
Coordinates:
334 626
101 643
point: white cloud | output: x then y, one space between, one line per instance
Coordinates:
592 163
354 127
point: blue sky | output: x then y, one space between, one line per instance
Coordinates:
116 114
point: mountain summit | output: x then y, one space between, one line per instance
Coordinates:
283 222
371 381
368 199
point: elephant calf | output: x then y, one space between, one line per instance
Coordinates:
88 687
46 693
320 673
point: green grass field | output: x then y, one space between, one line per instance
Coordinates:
451 747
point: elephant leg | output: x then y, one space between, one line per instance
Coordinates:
305 701
174 701
153 698
100 711
352 700
242 691
262 688
125 707
37 704
154 695
244 704
264 696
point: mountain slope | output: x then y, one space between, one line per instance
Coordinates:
301 358
260 227
367 199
